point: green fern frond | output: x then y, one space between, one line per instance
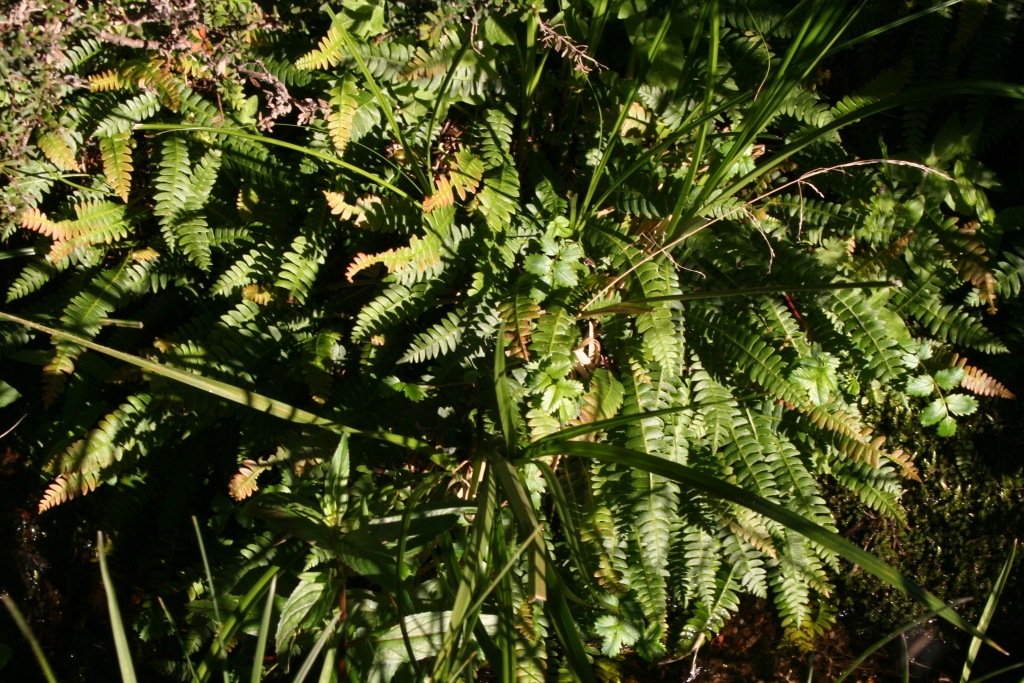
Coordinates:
863 325
54 145
439 340
395 303
87 462
343 104
301 262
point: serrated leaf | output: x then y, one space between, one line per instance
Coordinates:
935 411
291 513
949 378
961 404
617 634
947 426
817 375
538 264
295 609
920 386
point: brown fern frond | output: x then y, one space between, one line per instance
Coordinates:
66 486
421 253
466 172
35 220
55 376
978 381
257 293
243 484
144 254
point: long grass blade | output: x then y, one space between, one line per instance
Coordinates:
961 87
279 143
307 665
224 390
987 614
234 621
895 634
890 26
519 502
610 423
124 655
627 306
506 409
37 650
386 106
261 637
623 113
181 643
716 488
998 672
906 658
474 568
213 598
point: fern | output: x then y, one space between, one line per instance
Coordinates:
117 162
87 462
343 108
440 339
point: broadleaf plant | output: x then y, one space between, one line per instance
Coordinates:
541 329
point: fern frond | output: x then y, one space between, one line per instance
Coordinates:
143 106
1010 274
519 312
244 483
950 323
56 148
439 340
83 315
308 251
117 162
421 254
89 461
865 328
329 52
467 170
343 105
396 302
978 381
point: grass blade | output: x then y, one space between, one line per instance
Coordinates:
279 143
998 672
261 638
987 614
527 522
232 623
888 27
30 637
124 655
213 599
900 631
385 106
743 291
307 665
906 658
604 425
181 643
960 87
506 409
264 404
719 489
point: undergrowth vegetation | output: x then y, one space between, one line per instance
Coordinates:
528 332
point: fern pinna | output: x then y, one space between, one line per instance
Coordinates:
656 279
